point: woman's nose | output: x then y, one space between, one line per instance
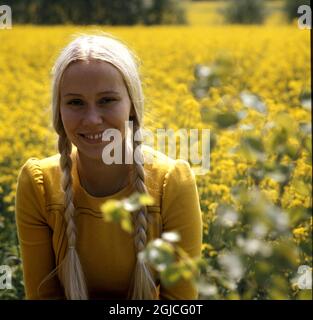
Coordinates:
92 116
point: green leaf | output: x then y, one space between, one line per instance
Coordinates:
127 225
132 203
254 147
254 144
146 200
170 275
279 138
303 188
111 210
228 119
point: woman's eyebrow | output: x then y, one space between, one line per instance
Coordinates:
99 93
107 91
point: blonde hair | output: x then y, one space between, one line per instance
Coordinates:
103 47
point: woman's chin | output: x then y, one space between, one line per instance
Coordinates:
93 152
99 152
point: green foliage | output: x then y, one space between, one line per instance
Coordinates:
83 12
225 120
163 254
253 247
250 251
119 211
255 244
245 11
215 75
291 7
163 12
171 261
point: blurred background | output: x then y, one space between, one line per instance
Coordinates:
152 12
240 68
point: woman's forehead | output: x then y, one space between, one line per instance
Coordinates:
91 76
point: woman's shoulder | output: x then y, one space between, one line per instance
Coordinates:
36 166
158 160
162 169
42 173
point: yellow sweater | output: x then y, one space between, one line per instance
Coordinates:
106 251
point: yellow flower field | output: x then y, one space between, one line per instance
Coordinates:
270 61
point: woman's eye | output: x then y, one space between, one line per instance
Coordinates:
106 100
78 102
75 102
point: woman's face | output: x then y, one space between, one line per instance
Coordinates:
93 98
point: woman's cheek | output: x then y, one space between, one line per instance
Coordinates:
69 121
116 118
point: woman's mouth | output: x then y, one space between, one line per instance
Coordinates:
92 138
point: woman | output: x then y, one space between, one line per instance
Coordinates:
68 250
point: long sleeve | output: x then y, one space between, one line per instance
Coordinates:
34 234
181 212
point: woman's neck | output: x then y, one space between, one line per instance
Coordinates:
100 179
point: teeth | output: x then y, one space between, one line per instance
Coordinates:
93 136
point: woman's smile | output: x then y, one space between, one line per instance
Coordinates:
92 138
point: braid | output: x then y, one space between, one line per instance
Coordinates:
71 270
142 283
66 167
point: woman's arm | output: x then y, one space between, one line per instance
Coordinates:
34 234
181 212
